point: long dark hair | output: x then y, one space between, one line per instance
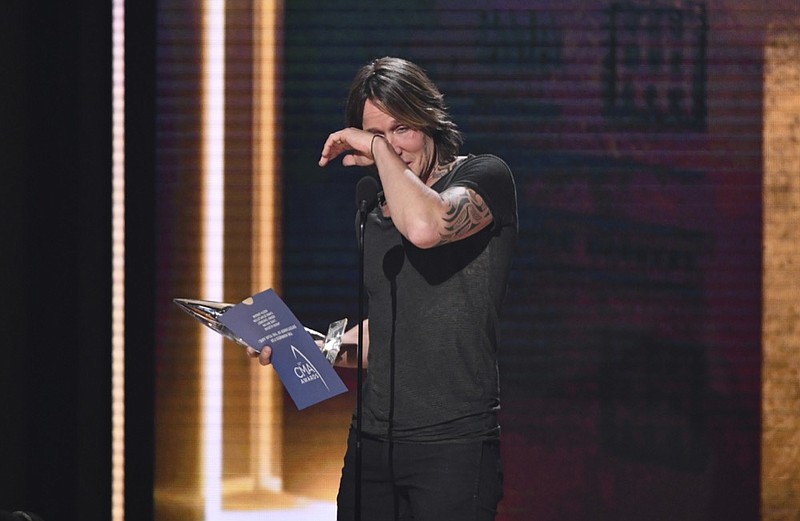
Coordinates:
403 90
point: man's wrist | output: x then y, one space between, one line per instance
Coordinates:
372 144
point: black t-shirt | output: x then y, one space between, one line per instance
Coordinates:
433 319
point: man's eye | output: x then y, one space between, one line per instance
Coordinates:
400 130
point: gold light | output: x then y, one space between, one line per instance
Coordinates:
118 265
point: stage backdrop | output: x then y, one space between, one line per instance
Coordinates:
631 347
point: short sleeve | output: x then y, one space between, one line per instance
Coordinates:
491 178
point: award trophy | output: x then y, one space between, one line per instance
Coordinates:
208 313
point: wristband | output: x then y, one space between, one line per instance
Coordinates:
372 142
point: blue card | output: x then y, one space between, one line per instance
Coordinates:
264 319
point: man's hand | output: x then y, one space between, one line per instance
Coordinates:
264 357
355 143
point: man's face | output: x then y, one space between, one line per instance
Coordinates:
414 147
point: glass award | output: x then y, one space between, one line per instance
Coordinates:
209 312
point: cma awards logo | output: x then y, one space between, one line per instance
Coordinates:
304 369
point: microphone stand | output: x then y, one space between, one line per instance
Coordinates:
366 197
362 217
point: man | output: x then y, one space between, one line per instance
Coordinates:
438 254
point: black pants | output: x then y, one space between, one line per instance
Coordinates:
422 481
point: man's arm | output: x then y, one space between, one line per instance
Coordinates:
424 217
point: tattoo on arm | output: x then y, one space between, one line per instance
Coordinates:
467 214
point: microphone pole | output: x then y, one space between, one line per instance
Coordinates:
366 198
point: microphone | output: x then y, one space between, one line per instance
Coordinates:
366 194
